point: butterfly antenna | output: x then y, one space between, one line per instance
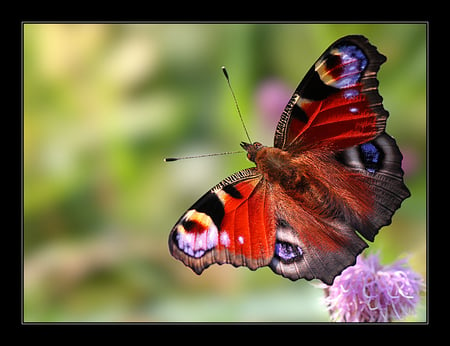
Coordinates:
170 159
224 70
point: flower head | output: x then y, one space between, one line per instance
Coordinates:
370 292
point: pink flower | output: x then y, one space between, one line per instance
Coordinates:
411 163
271 98
370 292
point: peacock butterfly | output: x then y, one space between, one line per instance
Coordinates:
333 171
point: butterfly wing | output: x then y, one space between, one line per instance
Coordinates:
337 104
379 161
231 223
310 247
337 107
357 189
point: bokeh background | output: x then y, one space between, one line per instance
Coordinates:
105 103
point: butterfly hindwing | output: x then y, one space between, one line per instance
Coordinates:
337 104
314 249
308 245
379 161
231 223
357 190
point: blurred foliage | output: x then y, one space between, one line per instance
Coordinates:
105 103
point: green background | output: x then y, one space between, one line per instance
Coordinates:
105 103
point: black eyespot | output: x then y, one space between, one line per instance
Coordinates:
188 225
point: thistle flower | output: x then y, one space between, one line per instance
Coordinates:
370 292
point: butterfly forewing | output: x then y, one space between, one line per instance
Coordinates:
229 224
337 104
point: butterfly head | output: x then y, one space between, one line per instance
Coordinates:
251 149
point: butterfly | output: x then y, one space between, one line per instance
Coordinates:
332 178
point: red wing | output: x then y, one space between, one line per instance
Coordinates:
312 248
337 104
315 237
231 223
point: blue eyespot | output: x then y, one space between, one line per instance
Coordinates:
353 53
353 61
371 157
287 252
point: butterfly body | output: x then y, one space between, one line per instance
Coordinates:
332 172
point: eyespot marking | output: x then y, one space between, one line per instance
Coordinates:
196 234
287 252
